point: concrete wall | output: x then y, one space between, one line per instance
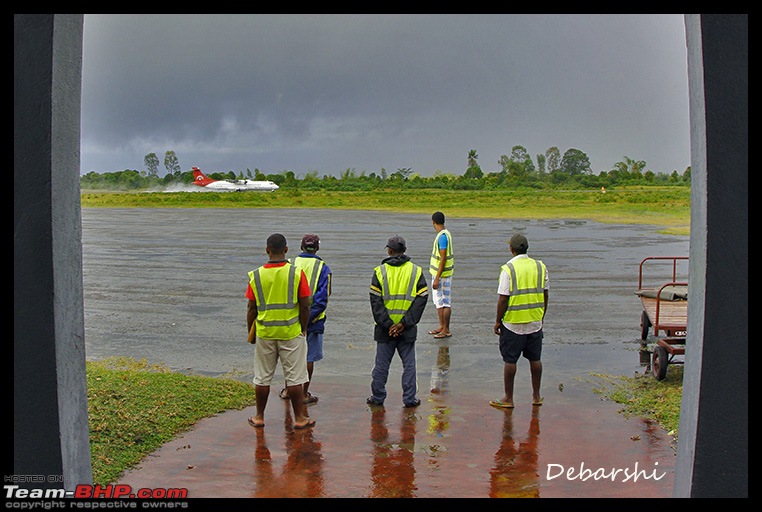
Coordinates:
714 434
50 428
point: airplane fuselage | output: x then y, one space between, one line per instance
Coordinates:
242 185
200 179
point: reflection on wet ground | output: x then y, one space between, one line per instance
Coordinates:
515 473
300 475
392 472
453 445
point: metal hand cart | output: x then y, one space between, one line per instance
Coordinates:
665 309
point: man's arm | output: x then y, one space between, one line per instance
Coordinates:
320 298
545 294
304 302
442 263
304 313
251 324
502 307
377 307
545 310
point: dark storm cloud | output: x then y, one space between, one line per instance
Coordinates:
332 92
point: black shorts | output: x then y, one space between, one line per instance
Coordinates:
513 345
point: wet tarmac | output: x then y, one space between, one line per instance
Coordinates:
454 445
168 285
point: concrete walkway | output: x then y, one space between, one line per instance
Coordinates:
454 445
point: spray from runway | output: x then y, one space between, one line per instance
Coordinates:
183 187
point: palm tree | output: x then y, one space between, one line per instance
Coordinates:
472 156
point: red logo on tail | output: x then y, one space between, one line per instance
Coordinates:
200 178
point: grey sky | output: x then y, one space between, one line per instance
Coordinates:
328 93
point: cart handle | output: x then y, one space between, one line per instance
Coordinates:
674 266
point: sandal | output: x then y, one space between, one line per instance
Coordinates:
254 423
284 394
310 423
310 399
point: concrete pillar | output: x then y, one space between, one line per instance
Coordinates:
50 427
712 458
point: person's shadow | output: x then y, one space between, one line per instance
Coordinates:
514 474
393 471
302 473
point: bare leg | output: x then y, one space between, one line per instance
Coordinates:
444 320
306 386
440 315
509 373
535 367
296 394
262 394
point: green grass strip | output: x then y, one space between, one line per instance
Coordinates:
134 408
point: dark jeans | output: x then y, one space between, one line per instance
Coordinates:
380 374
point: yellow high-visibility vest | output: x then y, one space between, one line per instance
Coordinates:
398 287
526 302
435 257
276 290
312 267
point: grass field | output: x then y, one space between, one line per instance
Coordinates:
666 208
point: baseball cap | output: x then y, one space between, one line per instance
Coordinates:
310 241
519 242
396 243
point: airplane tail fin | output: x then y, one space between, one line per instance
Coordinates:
199 178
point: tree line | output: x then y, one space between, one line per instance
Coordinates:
550 170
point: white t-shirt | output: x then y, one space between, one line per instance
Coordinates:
503 288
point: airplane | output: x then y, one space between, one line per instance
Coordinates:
202 180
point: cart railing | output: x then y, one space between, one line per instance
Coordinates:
674 260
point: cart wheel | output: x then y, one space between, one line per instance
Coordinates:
645 324
659 362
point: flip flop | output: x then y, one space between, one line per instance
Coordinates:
500 405
538 402
311 399
255 424
440 336
284 394
310 423
434 331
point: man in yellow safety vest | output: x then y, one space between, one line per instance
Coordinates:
521 306
398 296
319 277
277 314
441 267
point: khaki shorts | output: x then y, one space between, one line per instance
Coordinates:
292 355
